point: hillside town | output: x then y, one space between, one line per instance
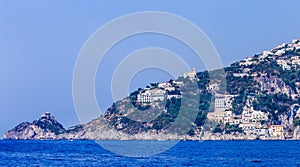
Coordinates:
253 123
250 121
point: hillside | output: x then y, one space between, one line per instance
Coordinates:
259 101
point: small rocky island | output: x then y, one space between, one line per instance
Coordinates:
44 128
261 100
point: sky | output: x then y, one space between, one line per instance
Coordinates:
40 42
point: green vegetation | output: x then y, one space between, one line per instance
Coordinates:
218 129
296 122
232 128
275 104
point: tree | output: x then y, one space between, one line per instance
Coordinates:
218 129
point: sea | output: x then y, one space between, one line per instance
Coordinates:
183 153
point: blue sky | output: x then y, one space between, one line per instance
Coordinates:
40 41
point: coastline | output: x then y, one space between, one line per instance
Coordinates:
181 140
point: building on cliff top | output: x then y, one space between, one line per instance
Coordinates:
46 115
192 75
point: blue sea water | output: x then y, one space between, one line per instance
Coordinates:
184 153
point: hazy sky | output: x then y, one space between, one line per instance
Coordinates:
40 41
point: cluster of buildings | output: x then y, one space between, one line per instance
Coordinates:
279 54
248 61
165 89
283 48
251 121
222 109
289 63
255 122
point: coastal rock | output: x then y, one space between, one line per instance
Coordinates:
44 128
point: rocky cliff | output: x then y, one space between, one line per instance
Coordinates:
44 128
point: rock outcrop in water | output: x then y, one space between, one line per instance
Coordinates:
44 128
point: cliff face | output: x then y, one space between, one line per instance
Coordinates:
262 98
44 128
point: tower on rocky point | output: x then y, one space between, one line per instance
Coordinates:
194 70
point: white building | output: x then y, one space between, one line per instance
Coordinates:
248 128
265 54
170 89
279 52
223 101
158 94
261 131
251 115
178 83
164 85
174 96
144 98
151 96
258 116
240 74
